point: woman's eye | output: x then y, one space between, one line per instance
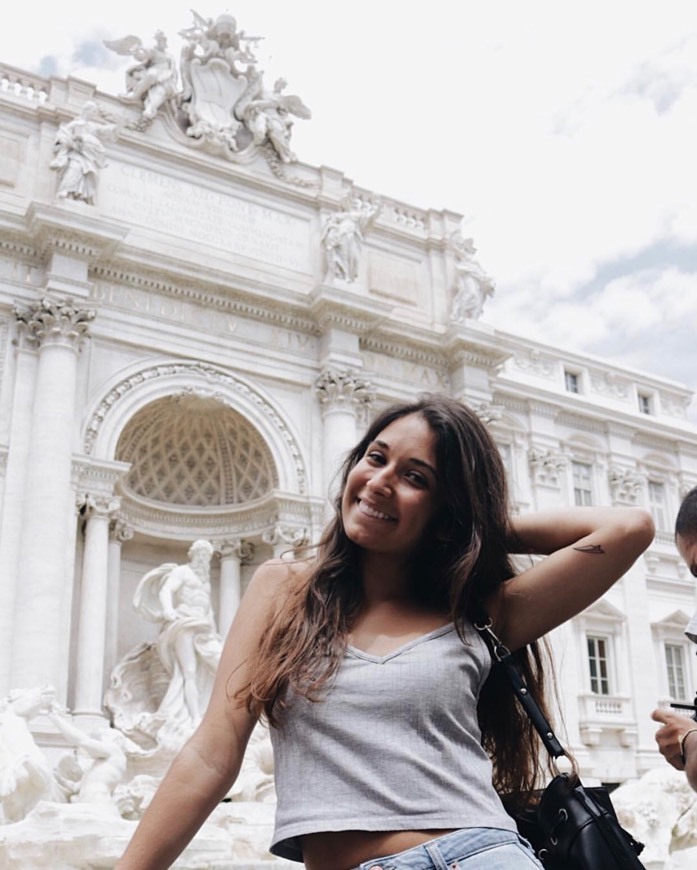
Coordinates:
375 456
417 478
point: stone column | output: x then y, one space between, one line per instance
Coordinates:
91 639
233 554
119 533
19 428
342 396
40 650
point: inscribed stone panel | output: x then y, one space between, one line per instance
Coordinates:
189 211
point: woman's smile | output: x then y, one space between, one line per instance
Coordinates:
373 512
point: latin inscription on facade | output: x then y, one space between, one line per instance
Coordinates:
204 319
405 370
238 226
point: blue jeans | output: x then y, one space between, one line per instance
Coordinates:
467 849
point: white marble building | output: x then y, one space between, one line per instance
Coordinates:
194 326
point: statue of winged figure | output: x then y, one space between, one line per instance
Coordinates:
266 114
153 79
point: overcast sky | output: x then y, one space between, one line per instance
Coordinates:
564 132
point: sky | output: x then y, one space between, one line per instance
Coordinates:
564 132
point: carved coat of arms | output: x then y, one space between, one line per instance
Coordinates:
222 104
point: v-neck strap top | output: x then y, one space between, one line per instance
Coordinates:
394 744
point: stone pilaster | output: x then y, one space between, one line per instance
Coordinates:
19 431
41 618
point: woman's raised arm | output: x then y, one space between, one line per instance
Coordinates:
208 764
587 549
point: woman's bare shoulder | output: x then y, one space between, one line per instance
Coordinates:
281 576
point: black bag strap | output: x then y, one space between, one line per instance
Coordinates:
502 655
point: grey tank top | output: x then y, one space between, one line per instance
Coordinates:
393 745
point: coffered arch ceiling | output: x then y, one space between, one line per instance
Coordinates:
197 452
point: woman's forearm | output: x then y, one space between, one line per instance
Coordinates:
545 532
188 794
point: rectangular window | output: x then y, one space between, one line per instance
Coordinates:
571 382
598 665
657 505
583 485
644 403
675 667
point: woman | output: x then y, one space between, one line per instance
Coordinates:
366 664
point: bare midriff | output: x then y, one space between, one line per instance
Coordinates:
344 850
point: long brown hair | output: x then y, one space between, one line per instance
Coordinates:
457 570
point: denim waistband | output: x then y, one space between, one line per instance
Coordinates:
443 851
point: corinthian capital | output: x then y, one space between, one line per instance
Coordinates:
98 504
344 389
55 320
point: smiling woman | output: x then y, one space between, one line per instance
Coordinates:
389 737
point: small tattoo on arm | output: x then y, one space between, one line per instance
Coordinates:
590 548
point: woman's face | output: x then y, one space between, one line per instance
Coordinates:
392 494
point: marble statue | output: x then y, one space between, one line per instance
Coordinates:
152 80
216 95
26 775
342 238
658 809
80 153
161 690
102 761
267 115
219 37
255 781
472 284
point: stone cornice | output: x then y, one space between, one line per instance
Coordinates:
247 521
279 312
335 308
97 476
404 349
72 229
475 345
655 442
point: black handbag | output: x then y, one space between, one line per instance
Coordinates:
569 826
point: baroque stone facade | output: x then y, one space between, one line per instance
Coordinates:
185 356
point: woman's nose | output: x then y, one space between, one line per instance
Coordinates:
381 481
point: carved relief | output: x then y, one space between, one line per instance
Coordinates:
488 412
222 104
546 466
609 384
625 485
533 361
